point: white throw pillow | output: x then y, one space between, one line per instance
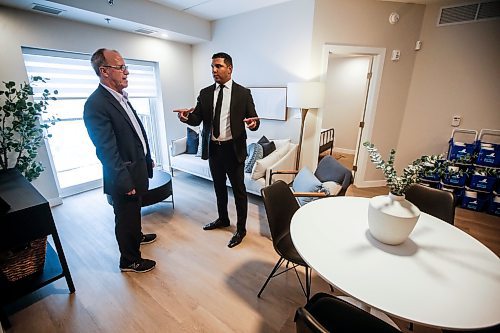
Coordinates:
178 146
279 143
333 188
260 166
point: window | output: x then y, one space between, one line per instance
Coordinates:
72 153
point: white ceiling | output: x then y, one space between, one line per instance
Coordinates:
216 9
98 12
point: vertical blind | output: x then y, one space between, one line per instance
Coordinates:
73 77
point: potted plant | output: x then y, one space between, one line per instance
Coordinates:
22 130
391 218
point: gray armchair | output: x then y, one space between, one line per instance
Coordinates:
328 170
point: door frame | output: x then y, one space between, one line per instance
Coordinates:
378 55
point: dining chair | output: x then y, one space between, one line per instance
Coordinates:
438 203
325 313
280 205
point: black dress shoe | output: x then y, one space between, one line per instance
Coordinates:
216 224
237 238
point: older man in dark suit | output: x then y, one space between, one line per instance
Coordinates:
122 147
225 108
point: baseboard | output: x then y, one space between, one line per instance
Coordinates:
344 151
55 201
370 183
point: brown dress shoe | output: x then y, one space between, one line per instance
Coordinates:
237 238
216 224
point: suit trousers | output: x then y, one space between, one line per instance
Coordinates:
222 161
127 209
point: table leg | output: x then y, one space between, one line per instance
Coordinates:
62 260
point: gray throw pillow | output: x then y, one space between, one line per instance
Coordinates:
254 153
192 141
305 181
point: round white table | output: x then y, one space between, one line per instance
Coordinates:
439 277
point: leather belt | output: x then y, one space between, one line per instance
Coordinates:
221 143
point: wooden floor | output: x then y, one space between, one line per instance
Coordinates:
199 285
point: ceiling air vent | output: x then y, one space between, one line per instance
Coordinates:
47 9
469 13
145 31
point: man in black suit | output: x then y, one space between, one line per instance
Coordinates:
225 108
122 147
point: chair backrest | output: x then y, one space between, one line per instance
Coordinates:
280 206
327 313
329 169
438 203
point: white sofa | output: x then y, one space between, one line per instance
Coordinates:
283 159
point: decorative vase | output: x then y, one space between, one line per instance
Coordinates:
391 218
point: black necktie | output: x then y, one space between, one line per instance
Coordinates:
218 107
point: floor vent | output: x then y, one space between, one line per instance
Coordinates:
469 13
47 9
145 31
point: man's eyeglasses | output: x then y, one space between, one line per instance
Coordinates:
122 68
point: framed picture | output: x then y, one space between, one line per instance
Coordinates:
270 102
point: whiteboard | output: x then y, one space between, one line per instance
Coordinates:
270 102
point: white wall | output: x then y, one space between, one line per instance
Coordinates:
457 72
20 28
346 85
270 47
365 23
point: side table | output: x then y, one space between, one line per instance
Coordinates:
29 218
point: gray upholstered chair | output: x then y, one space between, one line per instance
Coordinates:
311 186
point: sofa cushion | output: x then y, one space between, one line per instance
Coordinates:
254 152
260 166
279 143
305 181
192 141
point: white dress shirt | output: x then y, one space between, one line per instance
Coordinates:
123 100
225 124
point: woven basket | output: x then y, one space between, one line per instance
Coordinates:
25 260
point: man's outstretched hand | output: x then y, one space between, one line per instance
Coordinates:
183 114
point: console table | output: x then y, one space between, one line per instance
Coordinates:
28 218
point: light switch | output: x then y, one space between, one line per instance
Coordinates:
396 54
455 121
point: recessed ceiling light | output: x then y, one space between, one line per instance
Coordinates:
164 35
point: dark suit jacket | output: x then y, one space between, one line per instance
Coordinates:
241 107
118 146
